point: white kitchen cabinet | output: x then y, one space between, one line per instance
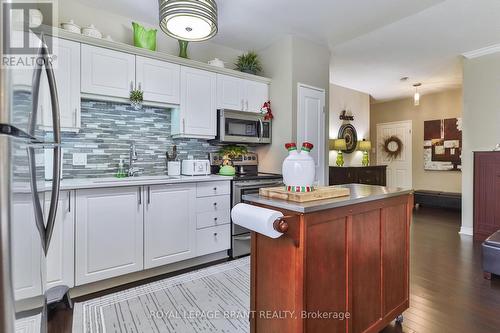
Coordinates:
255 95
67 73
159 80
230 91
169 224
27 249
240 94
196 117
212 240
61 254
109 233
106 72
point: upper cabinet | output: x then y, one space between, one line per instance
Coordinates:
159 80
107 72
196 117
67 73
240 94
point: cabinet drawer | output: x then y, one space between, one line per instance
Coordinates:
214 239
211 219
220 203
207 189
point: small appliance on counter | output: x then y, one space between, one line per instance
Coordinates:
196 167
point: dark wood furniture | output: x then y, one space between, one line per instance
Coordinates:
352 259
438 199
486 194
370 175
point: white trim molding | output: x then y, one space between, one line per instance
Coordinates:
466 231
482 51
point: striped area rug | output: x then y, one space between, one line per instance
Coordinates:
213 299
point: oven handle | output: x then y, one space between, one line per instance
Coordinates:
258 185
242 238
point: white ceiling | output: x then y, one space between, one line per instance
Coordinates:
373 42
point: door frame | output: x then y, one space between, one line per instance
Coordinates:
323 177
410 155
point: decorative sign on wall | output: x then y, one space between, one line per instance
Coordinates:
345 116
443 144
348 133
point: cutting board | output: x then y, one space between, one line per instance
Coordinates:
319 193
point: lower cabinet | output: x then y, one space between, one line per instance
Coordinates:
213 239
109 233
169 224
60 258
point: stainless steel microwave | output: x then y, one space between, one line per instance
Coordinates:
242 127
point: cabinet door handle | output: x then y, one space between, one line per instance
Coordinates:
69 201
215 203
215 220
149 195
242 105
183 126
139 85
246 104
140 196
215 234
215 188
131 85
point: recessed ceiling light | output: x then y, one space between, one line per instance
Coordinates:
404 78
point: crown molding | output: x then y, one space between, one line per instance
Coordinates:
482 52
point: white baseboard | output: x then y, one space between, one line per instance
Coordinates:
466 231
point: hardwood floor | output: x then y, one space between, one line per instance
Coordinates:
447 289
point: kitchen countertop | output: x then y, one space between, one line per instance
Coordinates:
359 194
89 183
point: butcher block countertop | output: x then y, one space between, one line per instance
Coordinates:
359 194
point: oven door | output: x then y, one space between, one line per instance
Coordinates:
243 127
248 187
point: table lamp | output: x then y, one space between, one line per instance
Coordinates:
339 145
365 146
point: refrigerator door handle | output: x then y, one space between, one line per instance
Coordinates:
56 165
46 231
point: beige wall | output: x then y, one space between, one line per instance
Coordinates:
481 122
447 104
120 29
357 104
287 62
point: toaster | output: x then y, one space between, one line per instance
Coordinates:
195 167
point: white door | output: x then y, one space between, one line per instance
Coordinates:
61 255
399 170
67 73
230 93
159 80
109 233
198 102
311 126
256 94
169 224
106 72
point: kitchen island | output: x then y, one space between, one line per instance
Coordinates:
341 266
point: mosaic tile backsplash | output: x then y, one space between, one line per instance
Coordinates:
108 129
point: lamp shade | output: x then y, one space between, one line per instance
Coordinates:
338 144
364 145
189 20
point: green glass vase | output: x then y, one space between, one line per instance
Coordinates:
340 159
183 47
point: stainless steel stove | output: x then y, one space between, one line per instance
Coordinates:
246 181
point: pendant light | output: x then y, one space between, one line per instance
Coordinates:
189 20
416 96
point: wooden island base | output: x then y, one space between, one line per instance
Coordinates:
344 269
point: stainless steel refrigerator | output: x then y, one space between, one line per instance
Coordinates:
28 204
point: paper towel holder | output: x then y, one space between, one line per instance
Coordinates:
280 225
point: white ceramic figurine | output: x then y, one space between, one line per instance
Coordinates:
299 168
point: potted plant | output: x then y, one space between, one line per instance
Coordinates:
249 63
136 98
229 153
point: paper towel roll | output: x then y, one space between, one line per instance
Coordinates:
256 219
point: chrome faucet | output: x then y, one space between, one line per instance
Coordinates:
132 170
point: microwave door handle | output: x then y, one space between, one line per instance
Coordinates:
56 165
261 125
